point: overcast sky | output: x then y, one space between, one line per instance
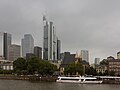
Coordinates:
92 25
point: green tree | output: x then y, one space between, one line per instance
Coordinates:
73 68
47 68
33 65
19 65
104 62
90 71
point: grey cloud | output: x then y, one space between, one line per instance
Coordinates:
80 24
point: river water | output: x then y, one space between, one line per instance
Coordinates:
27 85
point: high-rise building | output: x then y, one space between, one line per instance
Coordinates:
58 49
85 55
5 41
97 61
49 41
13 52
1 44
68 58
38 52
27 44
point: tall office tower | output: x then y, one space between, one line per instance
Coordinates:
1 44
13 52
85 55
5 41
38 52
27 44
97 61
58 49
49 41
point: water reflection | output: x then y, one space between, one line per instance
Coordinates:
26 85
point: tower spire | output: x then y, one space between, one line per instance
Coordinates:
44 18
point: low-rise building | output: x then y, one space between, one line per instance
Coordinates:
6 66
114 65
101 68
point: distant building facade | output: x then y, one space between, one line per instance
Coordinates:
85 55
29 56
49 41
13 52
114 66
68 58
27 44
38 52
58 49
5 41
101 69
97 61
6 66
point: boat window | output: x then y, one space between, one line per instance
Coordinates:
69 79
90 79
82 79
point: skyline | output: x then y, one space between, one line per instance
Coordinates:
80 24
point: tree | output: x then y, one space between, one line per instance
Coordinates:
90 71
104 62
33 65
19 65
73 68
47 68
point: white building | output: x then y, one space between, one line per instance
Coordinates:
27 44
7 66
85 55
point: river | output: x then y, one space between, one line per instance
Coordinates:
27 85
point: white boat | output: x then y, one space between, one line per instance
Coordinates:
80 80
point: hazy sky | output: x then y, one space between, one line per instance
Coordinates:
80 24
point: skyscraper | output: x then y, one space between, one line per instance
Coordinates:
38 52
85 55
58 49
13 52
1 44
49 41
5 41
97 61
27 44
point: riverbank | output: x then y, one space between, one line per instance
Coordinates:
28 77
45 78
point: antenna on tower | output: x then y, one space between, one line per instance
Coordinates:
44 16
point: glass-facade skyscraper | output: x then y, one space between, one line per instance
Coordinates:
58 49
49 41
5 42
27 44
85 55
38 52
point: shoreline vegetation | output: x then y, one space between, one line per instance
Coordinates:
44 78
29 78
